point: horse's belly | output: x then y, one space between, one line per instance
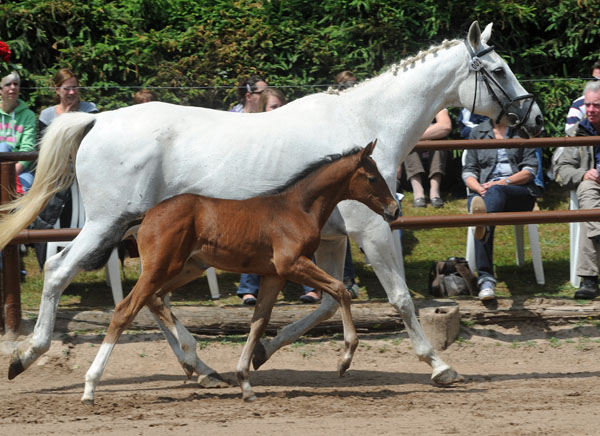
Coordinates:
239 261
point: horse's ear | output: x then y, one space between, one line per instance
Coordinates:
368 150
487 33
475 35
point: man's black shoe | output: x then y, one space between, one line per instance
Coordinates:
588 290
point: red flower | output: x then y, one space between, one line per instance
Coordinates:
4 52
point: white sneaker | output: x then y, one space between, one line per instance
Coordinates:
487 291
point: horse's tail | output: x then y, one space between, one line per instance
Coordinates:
55 171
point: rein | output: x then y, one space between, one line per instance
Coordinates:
476 65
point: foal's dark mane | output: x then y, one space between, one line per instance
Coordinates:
311 168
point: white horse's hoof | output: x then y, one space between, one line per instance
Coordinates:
88 401
446 377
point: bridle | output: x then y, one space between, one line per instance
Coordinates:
476 65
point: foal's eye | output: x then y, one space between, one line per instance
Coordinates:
372 179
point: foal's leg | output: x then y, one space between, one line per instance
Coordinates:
330 257
267 294
86 251
179 338
304 271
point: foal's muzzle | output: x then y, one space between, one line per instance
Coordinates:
391 212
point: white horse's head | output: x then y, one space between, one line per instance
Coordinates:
493 90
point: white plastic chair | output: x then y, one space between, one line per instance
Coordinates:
574 241
113 269
534 244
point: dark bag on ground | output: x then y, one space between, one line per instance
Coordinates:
448 278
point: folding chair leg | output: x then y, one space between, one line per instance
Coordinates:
519 245
536 255
213 284
470 255
113 275
574 253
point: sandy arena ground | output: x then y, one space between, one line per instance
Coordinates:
523 380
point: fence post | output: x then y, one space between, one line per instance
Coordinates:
11 290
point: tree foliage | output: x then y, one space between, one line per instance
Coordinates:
194 52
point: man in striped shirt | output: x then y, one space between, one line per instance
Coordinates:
577 110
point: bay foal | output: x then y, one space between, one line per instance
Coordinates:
272 235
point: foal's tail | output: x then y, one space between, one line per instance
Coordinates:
55 171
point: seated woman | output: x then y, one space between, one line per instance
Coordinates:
416 170
17 128
500 180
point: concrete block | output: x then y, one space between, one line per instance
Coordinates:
441 325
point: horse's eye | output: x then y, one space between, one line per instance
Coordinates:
372 179
499 72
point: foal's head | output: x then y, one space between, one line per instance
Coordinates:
368 186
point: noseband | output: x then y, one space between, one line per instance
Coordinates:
476 65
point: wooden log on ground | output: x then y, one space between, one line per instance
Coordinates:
369 316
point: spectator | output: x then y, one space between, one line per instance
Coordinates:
17 131
579 167
413 164
248 93
467 120
144 96
577 110
270 99
500 180
345 80
66 98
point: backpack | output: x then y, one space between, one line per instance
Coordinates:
448 278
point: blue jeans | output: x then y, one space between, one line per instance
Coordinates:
26 177
249 284
499 198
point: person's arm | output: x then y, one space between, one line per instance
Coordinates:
441 128
27 139
471 171
474 185
567 166
521 178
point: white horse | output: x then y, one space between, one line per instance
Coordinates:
128 160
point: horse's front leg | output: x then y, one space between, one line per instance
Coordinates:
330 256
378 243
304 271
267 294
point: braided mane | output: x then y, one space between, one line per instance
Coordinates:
404 64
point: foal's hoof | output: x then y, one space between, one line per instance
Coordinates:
249 398
447 377
15 368
260 355
343 367
213 380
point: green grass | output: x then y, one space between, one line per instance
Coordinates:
421 247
